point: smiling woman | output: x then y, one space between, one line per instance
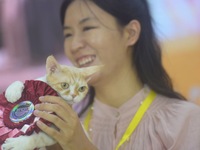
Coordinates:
133 100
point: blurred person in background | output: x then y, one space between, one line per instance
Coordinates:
15 52
43 28
30 32
1 42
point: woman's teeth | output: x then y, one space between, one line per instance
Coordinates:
85 60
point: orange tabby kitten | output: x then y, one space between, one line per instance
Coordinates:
69 82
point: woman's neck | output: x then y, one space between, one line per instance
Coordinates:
118 89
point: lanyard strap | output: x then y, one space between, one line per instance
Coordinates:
135 121
87 119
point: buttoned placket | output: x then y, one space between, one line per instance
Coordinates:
116 118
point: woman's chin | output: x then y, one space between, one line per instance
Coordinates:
95 80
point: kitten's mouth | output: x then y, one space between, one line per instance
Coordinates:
86 60
70 102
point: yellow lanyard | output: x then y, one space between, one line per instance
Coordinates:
135 121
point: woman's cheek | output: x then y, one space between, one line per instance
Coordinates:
95 37
68 54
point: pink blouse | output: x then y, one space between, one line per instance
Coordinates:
169 124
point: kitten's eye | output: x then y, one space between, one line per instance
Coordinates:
64 85
82 89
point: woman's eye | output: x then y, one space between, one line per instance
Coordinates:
82 89
65 85
88 28
67 35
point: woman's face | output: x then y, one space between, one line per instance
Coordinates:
93 37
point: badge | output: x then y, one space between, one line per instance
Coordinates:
21 111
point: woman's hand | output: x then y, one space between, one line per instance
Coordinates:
69 135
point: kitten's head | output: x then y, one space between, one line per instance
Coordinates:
69 82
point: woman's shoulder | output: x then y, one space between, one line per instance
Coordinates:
174 106
176 121
170 109
171 106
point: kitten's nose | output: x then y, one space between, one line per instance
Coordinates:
73 95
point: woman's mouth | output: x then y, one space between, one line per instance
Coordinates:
86 60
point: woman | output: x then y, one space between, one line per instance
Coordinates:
119 35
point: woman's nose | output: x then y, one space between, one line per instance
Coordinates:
77 43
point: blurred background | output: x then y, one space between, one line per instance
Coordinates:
30 30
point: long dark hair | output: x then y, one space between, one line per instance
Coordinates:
146 56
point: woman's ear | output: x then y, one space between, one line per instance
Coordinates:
133 32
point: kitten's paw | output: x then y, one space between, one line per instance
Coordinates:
19 143
10 144
7 145
14 91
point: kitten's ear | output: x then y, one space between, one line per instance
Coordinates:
88 72
52 65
